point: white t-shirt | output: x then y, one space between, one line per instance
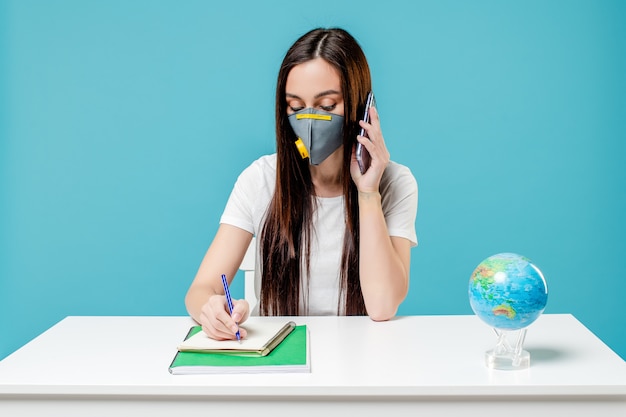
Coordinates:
251 196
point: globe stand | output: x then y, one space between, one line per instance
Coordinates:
506 356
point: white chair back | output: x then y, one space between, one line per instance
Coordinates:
248 267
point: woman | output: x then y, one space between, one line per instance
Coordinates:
331 240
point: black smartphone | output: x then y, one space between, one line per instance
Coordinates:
362 156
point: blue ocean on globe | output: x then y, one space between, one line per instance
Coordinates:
507 291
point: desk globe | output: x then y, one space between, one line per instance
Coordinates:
508 292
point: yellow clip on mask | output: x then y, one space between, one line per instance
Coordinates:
302 149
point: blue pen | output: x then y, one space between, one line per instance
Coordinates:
230 302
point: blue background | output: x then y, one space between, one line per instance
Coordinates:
123 125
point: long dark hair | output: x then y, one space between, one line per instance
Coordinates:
286 235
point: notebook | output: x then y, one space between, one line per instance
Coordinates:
262 336
290 355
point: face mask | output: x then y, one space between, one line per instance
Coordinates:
319 133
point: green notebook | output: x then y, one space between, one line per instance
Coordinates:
291 355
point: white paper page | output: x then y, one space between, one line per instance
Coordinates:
258 335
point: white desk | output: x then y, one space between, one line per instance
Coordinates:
91 366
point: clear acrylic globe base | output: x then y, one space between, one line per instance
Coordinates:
509 353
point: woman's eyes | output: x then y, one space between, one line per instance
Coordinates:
328 108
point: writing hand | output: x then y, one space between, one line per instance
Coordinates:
216 321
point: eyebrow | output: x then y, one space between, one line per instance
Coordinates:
318 95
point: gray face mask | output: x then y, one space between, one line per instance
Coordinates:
319 133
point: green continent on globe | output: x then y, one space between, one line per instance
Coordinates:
483 276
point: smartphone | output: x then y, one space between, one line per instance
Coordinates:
362 156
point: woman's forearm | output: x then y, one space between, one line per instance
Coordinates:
383 270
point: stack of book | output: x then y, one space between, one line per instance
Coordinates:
270 346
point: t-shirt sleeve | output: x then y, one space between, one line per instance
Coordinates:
239 207
399 192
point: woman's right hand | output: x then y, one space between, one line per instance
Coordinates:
218 324
205 300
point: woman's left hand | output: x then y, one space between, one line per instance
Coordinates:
375 145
